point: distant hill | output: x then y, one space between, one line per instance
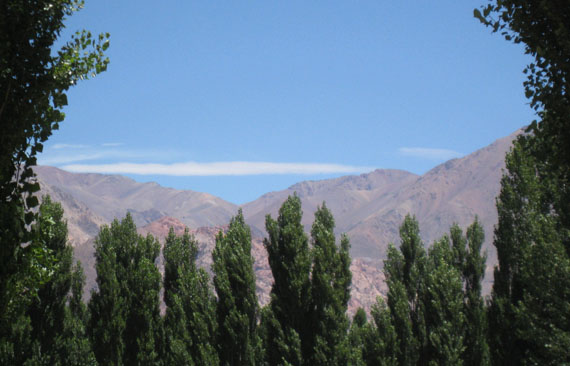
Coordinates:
369 208
112 196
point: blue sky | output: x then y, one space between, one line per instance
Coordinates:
241 98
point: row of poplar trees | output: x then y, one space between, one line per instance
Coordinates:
434 312
215 321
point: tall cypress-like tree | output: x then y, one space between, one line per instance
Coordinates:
529 309
237 308
190 322
470 262
442 302
476 345
381 345
357 338
47 311
404 270
408 349
73 345
528 319
330 293
125 324
37 69
286 323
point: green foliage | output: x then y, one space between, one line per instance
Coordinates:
404 271
529 307
190 320
34 78
330 292
237 307
442 298
289 258
48 310
528 313
356 338
125 324
180 255
52 329
434 302
73 343
381 342
476 345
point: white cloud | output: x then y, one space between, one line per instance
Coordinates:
216 168
67 159
112 144
428 153
69 146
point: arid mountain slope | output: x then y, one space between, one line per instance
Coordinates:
112 196
344 196
370 207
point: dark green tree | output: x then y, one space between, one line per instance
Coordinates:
442 302
404 270
381 345
357 337
34 79
330 293
48 310
529 308
237 308
408 345
476 345
73 345
190 320
528 317
286 323
53 326
468 260
125 324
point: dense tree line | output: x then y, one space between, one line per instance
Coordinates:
433 313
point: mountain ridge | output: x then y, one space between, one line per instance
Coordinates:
368 207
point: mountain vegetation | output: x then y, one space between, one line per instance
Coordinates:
433 314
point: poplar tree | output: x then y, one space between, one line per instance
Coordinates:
47 311
330 293
528 316
75 348
37 68
237 308
125 324
380 338
189 323
404 270
442 302
357 338
531 292
476 345
286 322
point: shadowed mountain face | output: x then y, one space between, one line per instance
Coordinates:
112 196
369 208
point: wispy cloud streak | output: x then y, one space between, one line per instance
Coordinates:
428 153
69 146
112 144
231 168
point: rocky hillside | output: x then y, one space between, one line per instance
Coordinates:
369 208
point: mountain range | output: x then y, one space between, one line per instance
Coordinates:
368 207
